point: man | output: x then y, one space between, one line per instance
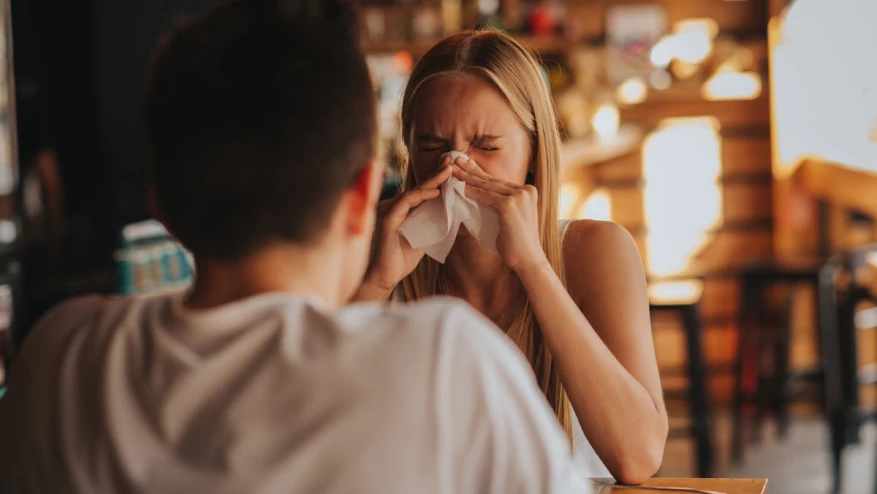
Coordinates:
262 127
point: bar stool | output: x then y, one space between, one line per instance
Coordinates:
766 387
844 282
683 298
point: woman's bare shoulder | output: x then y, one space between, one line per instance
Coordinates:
597 253
596 238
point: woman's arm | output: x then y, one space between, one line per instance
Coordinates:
606 361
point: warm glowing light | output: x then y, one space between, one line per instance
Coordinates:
692 46
675 292
662 53
569 198
691 43
606 121
727 85
701 25
683 201
632 91
824 104
684 70
597 207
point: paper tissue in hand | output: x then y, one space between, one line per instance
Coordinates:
433 226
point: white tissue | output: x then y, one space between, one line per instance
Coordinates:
434 225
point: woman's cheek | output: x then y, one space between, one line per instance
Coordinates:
425 165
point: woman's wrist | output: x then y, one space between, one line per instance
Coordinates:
369 292
373 290
535 266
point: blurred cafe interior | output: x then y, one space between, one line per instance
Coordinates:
736 140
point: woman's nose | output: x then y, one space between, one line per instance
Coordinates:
461 144
462 148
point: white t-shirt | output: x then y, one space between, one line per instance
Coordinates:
276 394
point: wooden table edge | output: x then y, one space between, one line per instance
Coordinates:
723 485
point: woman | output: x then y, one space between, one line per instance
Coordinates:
572 296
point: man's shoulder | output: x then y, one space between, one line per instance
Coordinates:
86 316
440 315
450 326
435 325
438 309
89 306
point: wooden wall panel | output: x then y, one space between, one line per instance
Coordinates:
628 168
721 297
747 202
745 154
731 114
736 249
628 208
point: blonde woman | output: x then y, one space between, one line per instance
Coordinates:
571 295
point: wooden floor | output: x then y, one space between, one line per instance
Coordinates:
800 464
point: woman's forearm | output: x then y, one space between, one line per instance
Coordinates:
371 292
626 425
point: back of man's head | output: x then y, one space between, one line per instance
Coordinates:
259 116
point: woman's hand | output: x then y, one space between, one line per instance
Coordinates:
394 257
518 242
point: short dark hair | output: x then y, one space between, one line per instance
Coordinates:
258 116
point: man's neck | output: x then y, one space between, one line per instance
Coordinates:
276 269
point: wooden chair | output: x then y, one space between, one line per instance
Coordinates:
763 378
683 298
845 282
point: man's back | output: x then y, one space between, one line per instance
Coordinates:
275 394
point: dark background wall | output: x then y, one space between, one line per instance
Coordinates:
124 35
80 69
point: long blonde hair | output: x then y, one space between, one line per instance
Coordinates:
514 72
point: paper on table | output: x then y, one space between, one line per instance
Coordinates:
434 225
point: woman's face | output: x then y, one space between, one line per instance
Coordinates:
467 114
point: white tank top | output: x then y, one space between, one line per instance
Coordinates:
585 458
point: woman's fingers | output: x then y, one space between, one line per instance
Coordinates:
405 203
484 183
440 177
470 166
487 197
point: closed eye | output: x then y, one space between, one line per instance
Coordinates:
486 142
430 143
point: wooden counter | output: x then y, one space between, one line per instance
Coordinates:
845 186
718 486
812 208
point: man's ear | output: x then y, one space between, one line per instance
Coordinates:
363 198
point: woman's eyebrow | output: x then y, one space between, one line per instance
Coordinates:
485 138
429 138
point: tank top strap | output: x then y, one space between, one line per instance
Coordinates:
563 227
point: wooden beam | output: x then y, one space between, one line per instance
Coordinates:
838 184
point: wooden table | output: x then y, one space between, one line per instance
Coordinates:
723 486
